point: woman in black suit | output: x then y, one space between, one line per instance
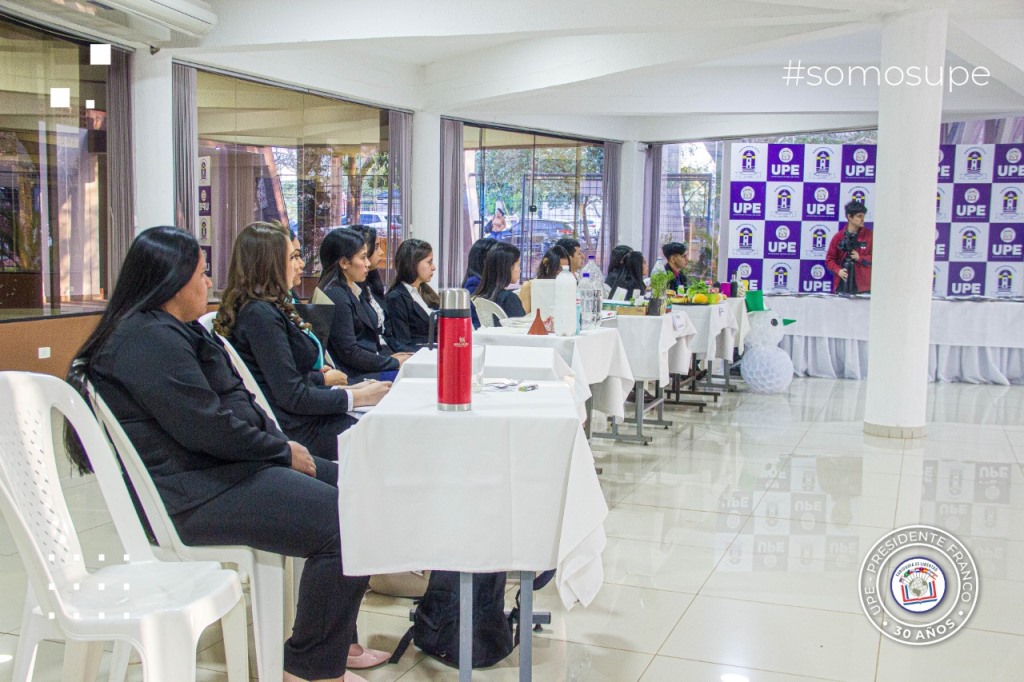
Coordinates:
630 277
356 342
411 299
225 473
285 358
501 268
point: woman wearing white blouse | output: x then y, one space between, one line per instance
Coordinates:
411 300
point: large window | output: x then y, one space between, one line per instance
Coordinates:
540 188
310 162
53 175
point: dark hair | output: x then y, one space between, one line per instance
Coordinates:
855 207
615 258
407 259
373 283
674 249
497 274
340 243
551 264
258 272
476 257
631 275
159 263
569 245
370 235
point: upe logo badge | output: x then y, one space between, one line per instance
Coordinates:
822 162
967 273
748 161
744 270
974 158
1009 201
1013 155
1004 281
918 585
782 233
780 276
819 239
1008 234
784 200
860 156
745 236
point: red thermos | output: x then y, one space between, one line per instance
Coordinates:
454 351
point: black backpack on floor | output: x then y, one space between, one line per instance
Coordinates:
435 628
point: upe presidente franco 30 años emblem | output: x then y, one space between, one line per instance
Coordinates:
918 585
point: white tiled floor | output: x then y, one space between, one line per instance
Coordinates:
735 540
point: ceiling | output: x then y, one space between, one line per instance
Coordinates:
637 70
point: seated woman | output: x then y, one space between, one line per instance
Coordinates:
475 263
356 342
411 299
628 282
285 358
225 473
373 282
548 268
501 268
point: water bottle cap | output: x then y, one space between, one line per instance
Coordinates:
590 258
586 274
565 268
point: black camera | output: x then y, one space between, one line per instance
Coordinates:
848 244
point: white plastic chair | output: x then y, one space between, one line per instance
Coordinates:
160 608
487 310
270 588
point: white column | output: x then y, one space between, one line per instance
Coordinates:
904 238
152 118
426 177
631 195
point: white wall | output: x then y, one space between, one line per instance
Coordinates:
152 113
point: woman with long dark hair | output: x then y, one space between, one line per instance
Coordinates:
615 259
411 298
278 346
225 473
548 268
475 262
629 280
356 341
501 268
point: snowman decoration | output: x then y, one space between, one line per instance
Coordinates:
766 368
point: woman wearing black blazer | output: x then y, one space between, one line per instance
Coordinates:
411 299
276 344
225 473
501 268
356 344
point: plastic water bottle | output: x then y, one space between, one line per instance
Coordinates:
591 295
565 303
595 272
659 266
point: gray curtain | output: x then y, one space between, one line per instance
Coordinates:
120 164
399 174
186 145
652 201
454 213
610 195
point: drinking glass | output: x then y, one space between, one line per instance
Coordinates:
479 354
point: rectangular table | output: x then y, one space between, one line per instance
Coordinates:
971 341
597 358
655 346
507 486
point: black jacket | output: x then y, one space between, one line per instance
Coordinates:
281 358
408 322
196 427
354 344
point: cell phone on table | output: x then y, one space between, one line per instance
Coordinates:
528 387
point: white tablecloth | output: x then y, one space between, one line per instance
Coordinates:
716 329
504 362
738 308
655 345
595 356
971 341
509 485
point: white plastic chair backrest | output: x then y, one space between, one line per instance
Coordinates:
487 310
243 371
152 504
31 497
619 294
207 321
607 290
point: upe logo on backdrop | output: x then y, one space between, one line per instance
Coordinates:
974 209
818 271
745 237
819 207
859 157
203 171
748 161
967 273
822 162
747 206
968 242
786 167
1013 167
781 243
744 270
784 200
780 276
918 585
1004 281
1009 201
974 158
1007 235
819 238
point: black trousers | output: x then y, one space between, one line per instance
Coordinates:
282 511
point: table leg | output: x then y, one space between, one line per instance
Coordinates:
525 626
465 626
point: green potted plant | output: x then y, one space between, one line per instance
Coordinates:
659 286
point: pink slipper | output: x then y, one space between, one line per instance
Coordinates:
370 658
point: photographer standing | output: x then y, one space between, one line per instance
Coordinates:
849 253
